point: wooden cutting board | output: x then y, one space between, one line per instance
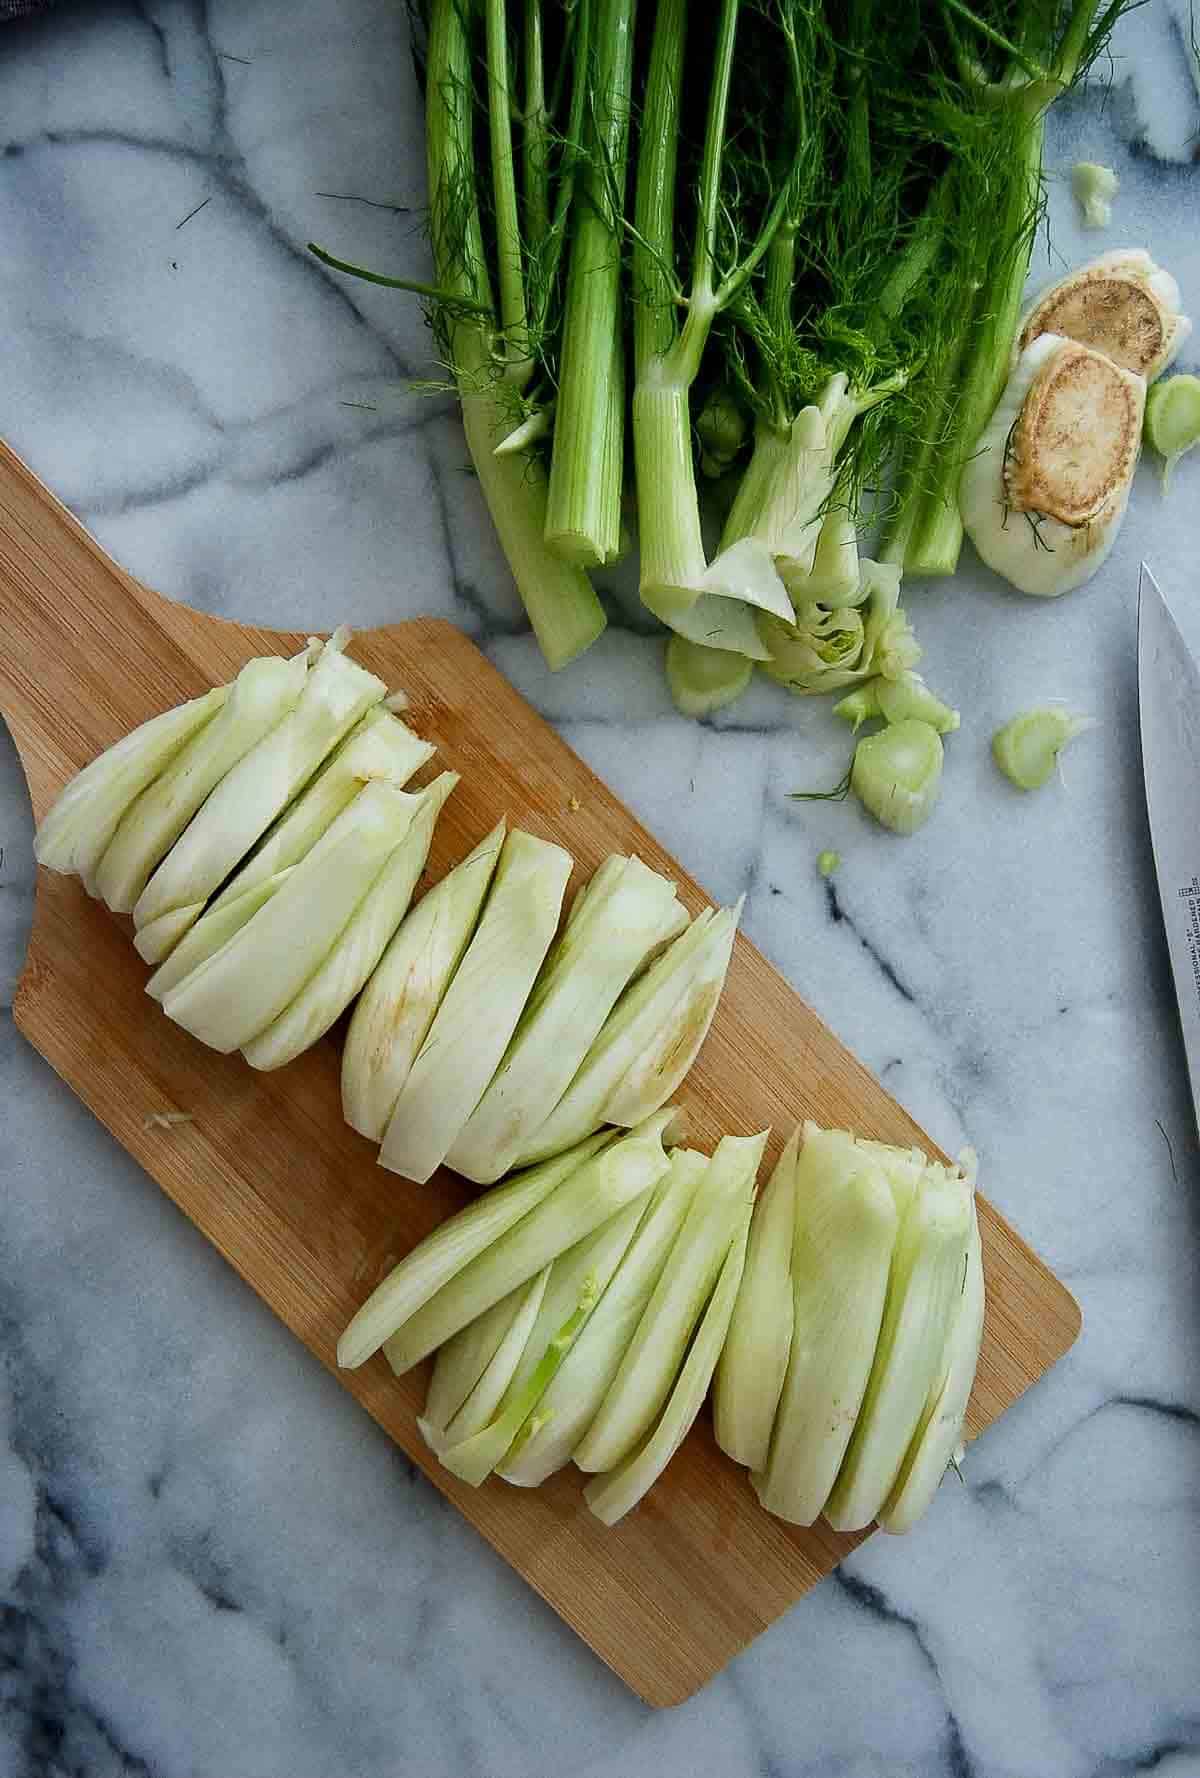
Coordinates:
294 1199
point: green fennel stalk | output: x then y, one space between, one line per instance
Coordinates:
667 356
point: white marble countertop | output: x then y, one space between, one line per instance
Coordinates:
211 1563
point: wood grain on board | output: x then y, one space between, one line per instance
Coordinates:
293 1198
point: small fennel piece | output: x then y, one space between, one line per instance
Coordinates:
860 705
612 1495
234 994
1120 304
452 1246
828 864
259 698
1027 748
1094 187
210 932
396 1008
328 992
480 1009
909 696
588 1193
336 694
897 774
924 1287
475 1444
621 919
651 1361
939 1433
1043 497
515 1316
703 680
380 746
572 1400
754 1358
650 1039
80 825
1173 420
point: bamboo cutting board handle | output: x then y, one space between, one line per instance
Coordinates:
267 1169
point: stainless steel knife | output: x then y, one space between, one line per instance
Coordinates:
1169 714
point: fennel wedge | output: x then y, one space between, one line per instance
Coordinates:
571 1400
841 1254
612 1495
452 1247
651 1361
329 991
481 1006
84 817
336 694
925 1283
649 1040
259 698
474 1445
626 913
578 1202
238 991
396 1008
754 1358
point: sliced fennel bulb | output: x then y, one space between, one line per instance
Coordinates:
845 1232
587 1196
514 1316
649 1040
1043 496
462 1363
243 805
475 1443
1121 304
327 993
569 1405
703 680
209 933
651 1361
925 1283
452 1247
397 1006
1026 749
259 698
623 917
611 1496
474 1459
1173 421
80 825
755 1356
236 993
940 1430
481 1007
379 746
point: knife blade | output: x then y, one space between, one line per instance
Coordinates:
1169 719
